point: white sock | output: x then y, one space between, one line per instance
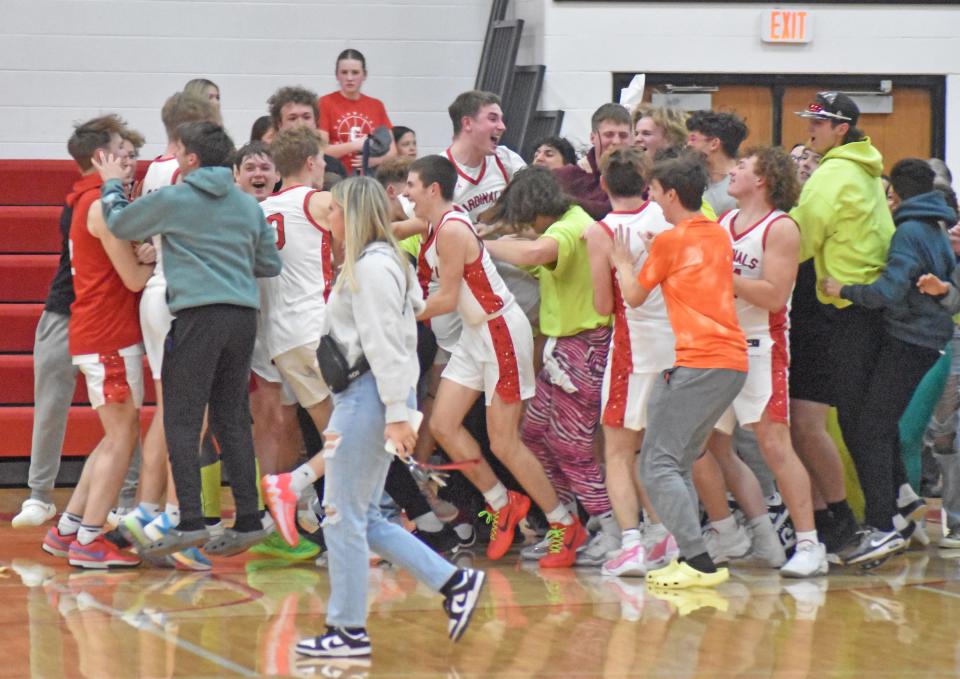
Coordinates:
809 535
88 534
173 511
497 497
906 495
560 515
655 531
630 537
774 500
429 522
727 525
149 510
69 524
301 477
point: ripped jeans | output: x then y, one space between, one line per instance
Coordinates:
356 470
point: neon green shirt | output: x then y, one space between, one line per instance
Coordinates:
411 245
566 287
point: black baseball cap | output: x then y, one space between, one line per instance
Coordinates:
835 106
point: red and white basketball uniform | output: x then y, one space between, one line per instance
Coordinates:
476 191
495 351
767 339
293 319
642 342
155 316
104 331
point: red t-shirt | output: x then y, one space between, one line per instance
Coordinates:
345 119
104 316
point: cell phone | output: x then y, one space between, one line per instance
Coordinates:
415 418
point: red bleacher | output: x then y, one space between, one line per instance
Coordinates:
31 195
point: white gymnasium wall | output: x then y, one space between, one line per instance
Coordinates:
67 60
583 43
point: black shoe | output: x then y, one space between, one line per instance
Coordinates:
443 541
461 595
873 546
116 537
316 537
839 535
337 642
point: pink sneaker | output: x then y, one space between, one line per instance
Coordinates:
282 503
662 552
57 544
101 553
628 561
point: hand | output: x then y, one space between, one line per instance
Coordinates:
830 287
621 256
648 237
109 166
146 253
929 284
403 436
358 143
356 161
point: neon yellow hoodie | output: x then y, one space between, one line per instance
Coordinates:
845 224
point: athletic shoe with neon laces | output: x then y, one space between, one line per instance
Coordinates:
660 548
274 545
33 513
681 575
564 541
337 642
56 544
461 595
809 560
503 523
100 554
281 500
627 562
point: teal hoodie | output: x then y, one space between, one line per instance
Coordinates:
844 220
215 240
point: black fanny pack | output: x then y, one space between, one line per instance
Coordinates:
333 365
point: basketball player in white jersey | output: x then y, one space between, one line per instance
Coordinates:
766 248
155 320
493 356
641 348
296 300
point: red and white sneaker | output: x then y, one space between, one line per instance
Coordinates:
281 500
564 540
660 550
504 522
101 553
57 544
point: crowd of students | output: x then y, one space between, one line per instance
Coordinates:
654 361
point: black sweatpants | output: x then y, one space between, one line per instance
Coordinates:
207 363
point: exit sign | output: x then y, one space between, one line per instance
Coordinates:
786 26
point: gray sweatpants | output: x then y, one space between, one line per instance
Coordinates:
684 406
54 380
746 445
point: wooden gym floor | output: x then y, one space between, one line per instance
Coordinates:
900 620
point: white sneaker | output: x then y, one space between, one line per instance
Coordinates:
601 547
725 546
765 548
536 551
808 560
628 562
34 513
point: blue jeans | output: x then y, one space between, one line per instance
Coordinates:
356 471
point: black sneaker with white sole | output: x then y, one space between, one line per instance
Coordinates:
461 594
337 642
443 541
873 545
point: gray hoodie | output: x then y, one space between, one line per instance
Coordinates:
378 320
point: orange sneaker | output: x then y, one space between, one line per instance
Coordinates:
101 553
563 543
504 522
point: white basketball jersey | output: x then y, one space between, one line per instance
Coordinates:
648 326
479 187
296 300
748 248
483 294
163 171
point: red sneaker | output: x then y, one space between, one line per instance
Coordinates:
282 503
101 553
504 522
563 543
57 544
